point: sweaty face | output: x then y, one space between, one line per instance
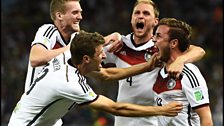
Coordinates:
162 42
99 55
143 20
72 16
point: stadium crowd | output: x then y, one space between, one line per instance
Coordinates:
20 20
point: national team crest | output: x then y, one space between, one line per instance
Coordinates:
171 83
147 56
150 51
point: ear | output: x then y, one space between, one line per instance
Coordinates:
59 15
85 59
173 43
156 21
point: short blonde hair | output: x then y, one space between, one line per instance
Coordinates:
58 6
156 9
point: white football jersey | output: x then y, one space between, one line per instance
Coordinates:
48 36
191 90
57 89
136 89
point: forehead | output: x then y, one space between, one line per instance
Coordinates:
162 29
144 7
99 49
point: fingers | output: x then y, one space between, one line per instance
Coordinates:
115 46
175 108
174 70
175 75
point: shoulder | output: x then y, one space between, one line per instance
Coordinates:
190 67
47 26
192 74
126 37
47 30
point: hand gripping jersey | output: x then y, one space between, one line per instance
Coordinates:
57 89
136 89
48 36
191 90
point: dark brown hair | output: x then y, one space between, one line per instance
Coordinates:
85 43
179 30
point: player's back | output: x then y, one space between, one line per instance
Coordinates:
41 97
57 89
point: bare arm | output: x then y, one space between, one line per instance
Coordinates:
39 55
193 54
121 73
132 110
204 113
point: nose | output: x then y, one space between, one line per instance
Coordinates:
154 39
140 15
79 16
104 55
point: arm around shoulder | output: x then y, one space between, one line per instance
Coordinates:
193 54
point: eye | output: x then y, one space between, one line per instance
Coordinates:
146 13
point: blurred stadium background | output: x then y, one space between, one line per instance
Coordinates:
21 18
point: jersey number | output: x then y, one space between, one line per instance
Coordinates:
44 72
129 80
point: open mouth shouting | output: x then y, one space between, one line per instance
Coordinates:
140 25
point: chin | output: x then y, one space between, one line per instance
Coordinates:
76 28
139 34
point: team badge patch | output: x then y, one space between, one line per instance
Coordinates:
198 95
171 83
91 94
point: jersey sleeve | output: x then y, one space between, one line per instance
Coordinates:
79 92
46 36
194 86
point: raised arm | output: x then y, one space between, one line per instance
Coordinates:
132 110
115 40
193 54
121 73
39 55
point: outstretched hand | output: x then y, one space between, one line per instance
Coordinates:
172 109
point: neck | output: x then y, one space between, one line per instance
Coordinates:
142 39
66 34
173 56
80 67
